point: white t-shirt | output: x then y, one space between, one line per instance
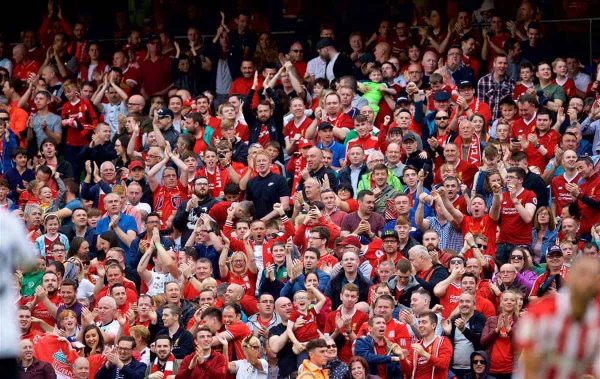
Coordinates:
111 328
15 250
157 283
246 371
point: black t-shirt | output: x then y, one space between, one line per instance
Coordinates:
286 359
266 191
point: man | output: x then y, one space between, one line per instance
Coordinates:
316 169
395 331
549 93
165 363
243 83
343 323
427 360
317 358
296 56
454 66
587 196
534 50
309 264
101 148
449 289
266 189
24 64
123 225
266 122
327 140
236 294
44 124
496 85
48 149
328 198
47 298
428 274
279 342
468 104
265 319
204 363
349 274
540 144
116 106
540 329
183 341
420 302
190 211
355 168
376 350
173 191
81 368
162 124
173 294
365 221
31 368
515 214
338 64
106 310
527 105
464 330
155 70
120 362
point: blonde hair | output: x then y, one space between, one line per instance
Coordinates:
140 331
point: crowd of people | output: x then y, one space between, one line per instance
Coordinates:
419 203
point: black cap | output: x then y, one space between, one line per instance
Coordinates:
324 43
402 99
325 125
554 250
410 136
390 233
465 84
153 37
441 96
164 112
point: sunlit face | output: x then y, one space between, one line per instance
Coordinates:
332 104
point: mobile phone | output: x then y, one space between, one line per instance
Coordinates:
426 167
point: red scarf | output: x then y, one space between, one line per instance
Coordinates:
168 366
474 155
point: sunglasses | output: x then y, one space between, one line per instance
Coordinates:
479 361
456 261
481 246
441 118
516 257
334 346
297 51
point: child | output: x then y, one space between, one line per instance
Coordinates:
508 111
559 67
319 88
374 90
304 310
526 82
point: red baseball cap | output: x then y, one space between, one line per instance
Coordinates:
305 143
351 241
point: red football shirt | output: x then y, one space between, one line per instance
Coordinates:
166 201
560 195
513 229
309 330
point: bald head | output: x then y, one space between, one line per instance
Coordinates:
234 293
107 301
81 368
584 278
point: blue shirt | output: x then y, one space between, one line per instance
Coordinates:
126 223
338 150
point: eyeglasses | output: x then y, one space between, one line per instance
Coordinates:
390 241
479 361
507 272
456 261
133 104
482 246
124 348
516 257
297 50
442 118
201 183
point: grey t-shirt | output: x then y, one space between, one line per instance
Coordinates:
53 124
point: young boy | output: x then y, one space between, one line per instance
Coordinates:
526 82
508 111
19 176
303 309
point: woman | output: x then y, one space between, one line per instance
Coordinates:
497 336
238 268
93 341
105 242
67 325
251 367
337 368
359 369
44 242
521 259
436 34
492 178
79 248
312 279
480 128
543 234
122 160
480 365
141 335
266 51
